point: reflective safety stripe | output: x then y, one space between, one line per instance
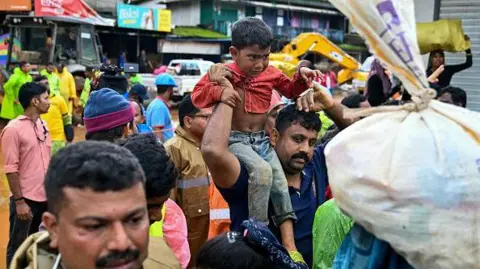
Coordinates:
218 214
193 183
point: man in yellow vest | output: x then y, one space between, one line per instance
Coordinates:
67 86
59 123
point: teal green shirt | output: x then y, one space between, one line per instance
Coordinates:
329 229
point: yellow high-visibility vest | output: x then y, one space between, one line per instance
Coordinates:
156 229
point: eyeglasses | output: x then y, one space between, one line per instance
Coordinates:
45 132
202 116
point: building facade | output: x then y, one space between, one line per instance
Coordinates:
286 18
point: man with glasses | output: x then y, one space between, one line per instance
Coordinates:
192 191
26 145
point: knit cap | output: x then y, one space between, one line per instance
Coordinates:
106 109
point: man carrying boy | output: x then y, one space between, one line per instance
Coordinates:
253 81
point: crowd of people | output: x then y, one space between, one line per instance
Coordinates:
242 182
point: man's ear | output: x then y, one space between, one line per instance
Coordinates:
234 52
129 129
187 122
274 136
34 102
51 224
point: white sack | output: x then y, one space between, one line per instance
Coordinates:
412 176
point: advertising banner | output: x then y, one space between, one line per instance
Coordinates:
70 9
15 5
137 17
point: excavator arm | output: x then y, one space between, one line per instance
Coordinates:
317 43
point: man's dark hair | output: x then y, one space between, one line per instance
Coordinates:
22 64
118 83
290 115
186 108
251 31
28 91
39 78
354 101
50 63
459 96
100 166
110 135
159 169
162 89
219 253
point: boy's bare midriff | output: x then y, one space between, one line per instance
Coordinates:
246 122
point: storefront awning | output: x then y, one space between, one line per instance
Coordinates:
350 47
197 32
73 10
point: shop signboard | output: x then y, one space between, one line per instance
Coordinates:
15 5
138 17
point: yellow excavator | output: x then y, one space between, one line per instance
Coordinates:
292 53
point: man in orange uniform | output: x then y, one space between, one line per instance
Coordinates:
219 213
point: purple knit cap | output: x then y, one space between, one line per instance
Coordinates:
106 109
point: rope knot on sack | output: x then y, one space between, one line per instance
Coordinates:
420 100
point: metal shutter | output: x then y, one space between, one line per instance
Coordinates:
469 12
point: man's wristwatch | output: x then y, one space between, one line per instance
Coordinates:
19 199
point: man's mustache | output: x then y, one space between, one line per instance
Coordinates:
301 155
114 257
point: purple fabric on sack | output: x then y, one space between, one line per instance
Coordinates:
378 70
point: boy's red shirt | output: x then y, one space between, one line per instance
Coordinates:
258 90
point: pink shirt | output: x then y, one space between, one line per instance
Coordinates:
175 232
25 154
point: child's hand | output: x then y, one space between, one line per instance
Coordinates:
230 97
219 73
308 75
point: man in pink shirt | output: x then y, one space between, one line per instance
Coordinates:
26 146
